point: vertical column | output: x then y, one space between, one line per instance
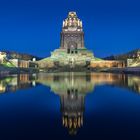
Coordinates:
61 41
82 39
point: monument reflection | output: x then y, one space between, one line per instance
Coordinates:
71 88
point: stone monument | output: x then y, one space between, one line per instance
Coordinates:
72 53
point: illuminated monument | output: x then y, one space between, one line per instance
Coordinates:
72 35
72 53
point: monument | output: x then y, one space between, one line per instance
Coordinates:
72 35
72 53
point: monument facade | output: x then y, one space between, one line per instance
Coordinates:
72 35
72 52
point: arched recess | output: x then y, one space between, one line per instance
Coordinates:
72 47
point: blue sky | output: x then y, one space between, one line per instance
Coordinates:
34 26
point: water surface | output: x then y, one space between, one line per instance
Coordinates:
70 106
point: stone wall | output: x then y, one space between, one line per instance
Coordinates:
23 64
107 64
46 64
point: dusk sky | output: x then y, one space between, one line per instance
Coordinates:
34 26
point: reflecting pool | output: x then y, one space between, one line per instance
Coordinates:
70 105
